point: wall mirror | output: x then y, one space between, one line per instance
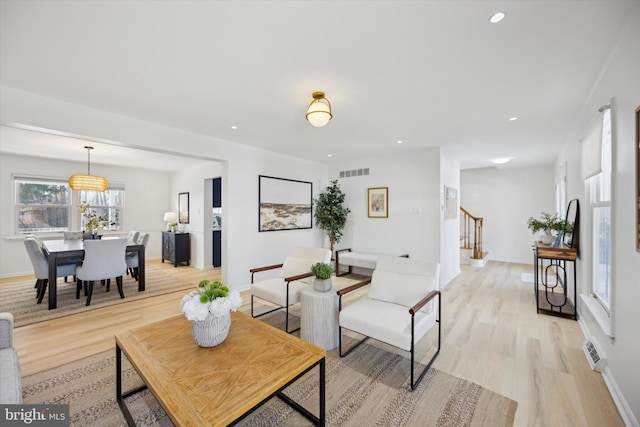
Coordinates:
183 208
573 216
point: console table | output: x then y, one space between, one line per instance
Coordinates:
550 280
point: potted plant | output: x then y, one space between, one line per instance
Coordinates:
548 223
209 308
92 221
330 214
322 276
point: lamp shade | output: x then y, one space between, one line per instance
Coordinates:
170 216
319 111
88 183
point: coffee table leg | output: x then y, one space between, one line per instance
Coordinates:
322 394
119 396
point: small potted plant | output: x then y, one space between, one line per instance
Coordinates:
209 308
322 276
548 223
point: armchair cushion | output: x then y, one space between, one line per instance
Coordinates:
10 378
301 260
275 291
390 323
404 281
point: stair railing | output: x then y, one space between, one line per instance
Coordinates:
470 222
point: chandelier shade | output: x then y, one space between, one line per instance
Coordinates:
319 111
88 182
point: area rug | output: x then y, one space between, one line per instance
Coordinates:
19 297
368 387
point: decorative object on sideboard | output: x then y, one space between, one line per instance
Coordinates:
88 182
170 218
209 308
549 223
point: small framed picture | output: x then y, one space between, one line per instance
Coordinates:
378 202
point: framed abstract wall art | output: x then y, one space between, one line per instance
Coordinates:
284 204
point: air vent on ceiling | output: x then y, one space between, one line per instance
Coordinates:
354 172
594 356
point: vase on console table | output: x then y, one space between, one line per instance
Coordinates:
547 237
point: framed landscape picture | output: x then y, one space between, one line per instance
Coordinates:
378 202
283 204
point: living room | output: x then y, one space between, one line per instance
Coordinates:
416 176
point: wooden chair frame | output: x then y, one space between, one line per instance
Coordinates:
412 311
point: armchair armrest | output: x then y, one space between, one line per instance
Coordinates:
353 287
431 295
6 330
259 269
298 277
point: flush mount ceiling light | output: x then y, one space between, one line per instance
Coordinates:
88 182
497 17
319 111
501 160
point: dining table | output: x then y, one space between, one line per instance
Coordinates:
56 251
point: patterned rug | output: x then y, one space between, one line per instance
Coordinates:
19 297
368 387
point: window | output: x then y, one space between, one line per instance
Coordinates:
108 203
599 197
42 205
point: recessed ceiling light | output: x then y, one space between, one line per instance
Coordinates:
234 127
514 118
329 155
497 17
398 142
501 160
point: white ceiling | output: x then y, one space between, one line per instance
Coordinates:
429 73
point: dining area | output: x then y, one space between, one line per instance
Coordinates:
87 262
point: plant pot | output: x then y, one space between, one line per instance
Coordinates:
547 237
211 331
321 285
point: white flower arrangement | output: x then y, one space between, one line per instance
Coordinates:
210 297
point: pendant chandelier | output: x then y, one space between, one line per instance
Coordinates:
319 111
88 182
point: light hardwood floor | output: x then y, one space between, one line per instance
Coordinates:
491 336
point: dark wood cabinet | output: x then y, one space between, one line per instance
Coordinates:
176 248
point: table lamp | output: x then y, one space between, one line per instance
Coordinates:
170 217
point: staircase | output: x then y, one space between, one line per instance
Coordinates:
471 251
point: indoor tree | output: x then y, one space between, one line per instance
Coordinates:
330 214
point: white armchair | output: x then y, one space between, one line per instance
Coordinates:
399 308
284 291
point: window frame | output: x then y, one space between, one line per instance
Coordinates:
18 206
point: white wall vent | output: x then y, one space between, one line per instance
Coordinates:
594 356
354 172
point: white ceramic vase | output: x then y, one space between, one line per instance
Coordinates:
547 237
321 285
211 331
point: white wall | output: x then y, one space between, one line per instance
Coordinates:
413 225
620 84
243 246
146 199
450 228
506 198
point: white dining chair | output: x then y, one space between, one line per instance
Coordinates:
133 264
103 259
41 267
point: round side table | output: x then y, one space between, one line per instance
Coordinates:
319 317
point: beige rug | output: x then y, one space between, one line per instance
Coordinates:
368 387
19 297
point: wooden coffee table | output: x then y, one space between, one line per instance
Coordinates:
221 385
